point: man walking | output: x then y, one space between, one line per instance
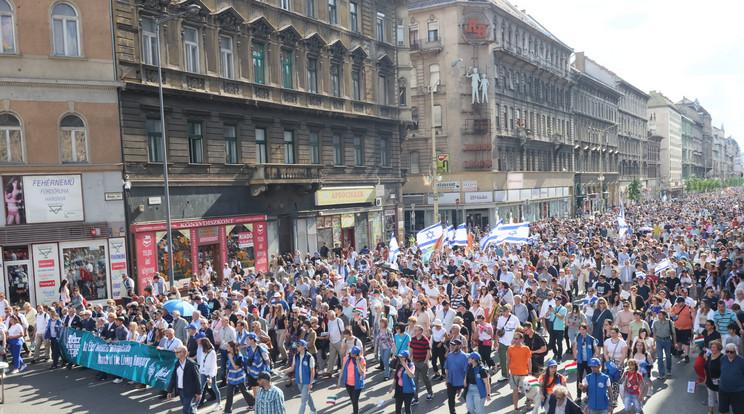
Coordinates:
421 354
519 359
584 349
270 399
456 366
598 389
303 368
664 335
185 382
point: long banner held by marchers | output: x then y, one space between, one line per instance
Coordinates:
129 360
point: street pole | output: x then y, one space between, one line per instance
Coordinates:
191 9
434 181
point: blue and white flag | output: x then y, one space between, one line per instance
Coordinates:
429 239
622 225
449 236
394 251
518 233
489 238
662 266
461 236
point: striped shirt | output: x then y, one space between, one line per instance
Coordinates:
270 401
419 348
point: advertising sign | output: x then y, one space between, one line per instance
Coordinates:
345 195
469 186
46 269
448 186
118 262
479 197
52 198
15 205
475 27
261 241
245 239
442 164
445 198
147 263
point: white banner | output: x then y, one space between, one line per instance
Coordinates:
448 186
445 198
46 272
469 186
117 248
53 198
479 197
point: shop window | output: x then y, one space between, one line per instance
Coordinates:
85 267
182 269
240 246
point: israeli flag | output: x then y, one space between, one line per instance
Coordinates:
428 238
518 233
622 225
449 235
394 251
662 266
461 236
489 238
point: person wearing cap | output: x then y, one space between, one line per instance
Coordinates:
598 389
269 399
236 377
438 348
192 343
584 349
352 376
404 384
549 379
257 360
185 382
456 367
477 385
303 368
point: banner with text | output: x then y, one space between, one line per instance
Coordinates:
130 360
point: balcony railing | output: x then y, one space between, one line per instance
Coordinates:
286 173
426 45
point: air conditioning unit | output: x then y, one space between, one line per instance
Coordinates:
378 202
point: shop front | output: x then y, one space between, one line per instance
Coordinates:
197 243
53 233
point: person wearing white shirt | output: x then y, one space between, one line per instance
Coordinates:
506 325
169 341
42 318
335 338
208 372
446 315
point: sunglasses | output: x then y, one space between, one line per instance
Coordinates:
730 352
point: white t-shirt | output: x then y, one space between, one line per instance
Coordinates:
16 329
509 325
615 350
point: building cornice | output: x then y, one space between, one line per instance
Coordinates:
60 83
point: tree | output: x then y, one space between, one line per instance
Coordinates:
634 190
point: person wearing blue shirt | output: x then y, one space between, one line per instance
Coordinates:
456 366
598 389
731 382
303 369
584 349
558 318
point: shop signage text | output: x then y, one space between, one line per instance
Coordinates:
479 197
448 186
186 224
43 198
345 195
46 272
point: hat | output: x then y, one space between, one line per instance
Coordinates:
355 351
252 335
456 342
474 355
594 362
551 363
121 319
199 336
191 327
264 376
277 295
437 322
680 299
404 354
301 342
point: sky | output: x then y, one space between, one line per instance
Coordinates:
680 48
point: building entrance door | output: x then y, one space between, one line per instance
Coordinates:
18 282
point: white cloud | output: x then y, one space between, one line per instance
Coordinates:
681 48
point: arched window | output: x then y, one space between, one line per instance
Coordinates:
74 139
66 30
11 139
7 28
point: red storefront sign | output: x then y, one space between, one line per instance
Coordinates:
187 224
260 246
47 283
147 264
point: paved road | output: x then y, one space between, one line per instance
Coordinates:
38 390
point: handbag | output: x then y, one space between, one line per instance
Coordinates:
501 331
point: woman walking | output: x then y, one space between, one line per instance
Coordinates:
236 378
15 343
404 384
352 376
208 372
713 374
477 385
384 344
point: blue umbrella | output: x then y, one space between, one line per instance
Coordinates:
183 307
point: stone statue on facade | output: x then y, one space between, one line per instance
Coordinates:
474 85
484 88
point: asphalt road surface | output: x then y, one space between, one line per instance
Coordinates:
38 390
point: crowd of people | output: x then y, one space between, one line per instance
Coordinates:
625 303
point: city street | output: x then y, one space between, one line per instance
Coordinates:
40 391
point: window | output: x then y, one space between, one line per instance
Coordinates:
413 37
356 83
432 32
258 63
336 79
7 28
312 75
433 74
196 142
286 60
285 4
289 147
191 49
66 30
231 144
353 16
74 141
154 130
262 155
383 88
380 27
437 116
400 35
227 67
415 167
11 139
402 92
332 16
314 148
358 151
150 49
310 8
385 151
338 150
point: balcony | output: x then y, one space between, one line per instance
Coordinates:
477 165
433 46
286 174
484 147
476 127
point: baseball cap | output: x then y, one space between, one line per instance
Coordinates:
301 342
474 355
594 362
199 336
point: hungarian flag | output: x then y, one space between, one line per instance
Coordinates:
331 399
533 382
698 340
569 367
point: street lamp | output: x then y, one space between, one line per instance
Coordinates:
434 176
190 10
